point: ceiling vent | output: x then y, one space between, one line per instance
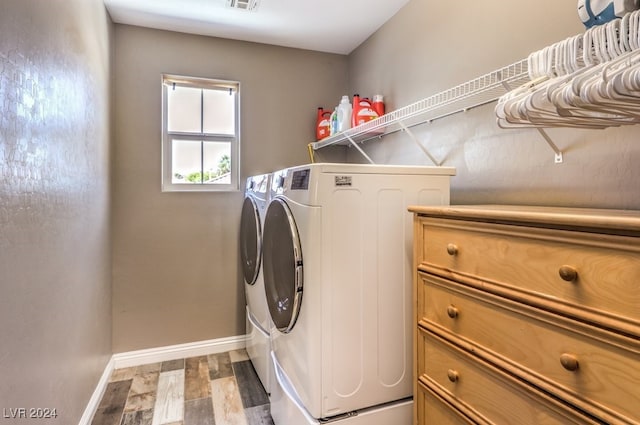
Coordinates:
248 5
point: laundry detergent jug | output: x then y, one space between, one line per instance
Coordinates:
344 114
334 122
362 111
323 124
378 104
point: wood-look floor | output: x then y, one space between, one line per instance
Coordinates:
219 389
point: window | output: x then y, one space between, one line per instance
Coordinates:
200 134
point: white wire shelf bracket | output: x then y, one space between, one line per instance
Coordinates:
480 91
558 158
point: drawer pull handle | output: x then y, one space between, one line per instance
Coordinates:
453 375
452 249
568 273
569 362
452 312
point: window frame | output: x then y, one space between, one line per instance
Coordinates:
168 82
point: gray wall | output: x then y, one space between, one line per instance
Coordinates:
430 46
55 265
175 263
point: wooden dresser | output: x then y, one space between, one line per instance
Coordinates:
526 316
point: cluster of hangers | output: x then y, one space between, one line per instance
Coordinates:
587 81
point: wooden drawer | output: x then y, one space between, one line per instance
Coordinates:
539 346
434 411
483 392
526 264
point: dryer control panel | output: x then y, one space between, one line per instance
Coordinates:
300 179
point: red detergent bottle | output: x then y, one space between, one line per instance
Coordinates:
362 111
378 104
323 124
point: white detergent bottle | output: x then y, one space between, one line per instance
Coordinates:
344 114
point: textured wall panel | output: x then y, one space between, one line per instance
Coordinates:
54 204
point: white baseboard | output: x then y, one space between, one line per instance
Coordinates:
180 351
94 401
156 355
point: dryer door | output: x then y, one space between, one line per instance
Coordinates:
250 240
282 267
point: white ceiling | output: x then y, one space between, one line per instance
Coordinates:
335 26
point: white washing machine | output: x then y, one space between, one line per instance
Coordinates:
256 200
338 278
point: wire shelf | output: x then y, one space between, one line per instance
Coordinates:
480 91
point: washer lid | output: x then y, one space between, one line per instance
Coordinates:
283 272
250 240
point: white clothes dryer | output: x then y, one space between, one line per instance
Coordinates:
338 276
258 321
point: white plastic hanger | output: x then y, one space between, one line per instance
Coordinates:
588 81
